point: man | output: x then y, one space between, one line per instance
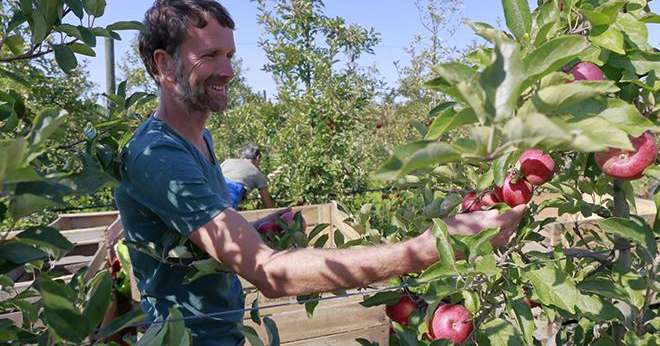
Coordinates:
243 174
173 192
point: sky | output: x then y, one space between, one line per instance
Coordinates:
397 22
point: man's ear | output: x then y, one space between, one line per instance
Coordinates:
165 65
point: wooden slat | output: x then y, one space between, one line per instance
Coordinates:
81 236
85 220
330 317
379 334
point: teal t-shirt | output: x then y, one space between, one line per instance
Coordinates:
167 191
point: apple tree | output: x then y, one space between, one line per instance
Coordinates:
562 106
53 149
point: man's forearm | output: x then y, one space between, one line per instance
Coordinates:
301 271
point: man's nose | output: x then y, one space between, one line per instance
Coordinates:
226 70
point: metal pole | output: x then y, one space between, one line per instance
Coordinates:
109 70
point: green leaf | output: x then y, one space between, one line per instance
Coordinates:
15 44
626 117
380 298
634 32
597 309
595 134
365 342
448 120
44 125
552 55
39 28
545 19
94 8
554 287
441 269
70 30
154 335
250 334
317 230
480 57
177 333
202 268
445 251
65 57
83 49
88 36
518 17
19 252
406 336
487 265
648 339
604 14
47 239
338 238
98 299
320 242
499 332
254 311
651 18
75 6
27 203
479 244
630 229
29 310
60 313
555 99
523 316
608 37
471 301
131 318
272 332
417 155
310 307
126 25
629 287
454 72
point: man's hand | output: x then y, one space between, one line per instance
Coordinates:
477 221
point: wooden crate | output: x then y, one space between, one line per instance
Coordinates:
335 322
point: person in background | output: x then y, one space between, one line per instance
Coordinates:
243 174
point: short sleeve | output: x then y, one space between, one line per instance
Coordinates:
260 180
166 179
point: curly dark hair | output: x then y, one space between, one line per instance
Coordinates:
166 23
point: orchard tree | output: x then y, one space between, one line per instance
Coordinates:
316 140
52 148
562 106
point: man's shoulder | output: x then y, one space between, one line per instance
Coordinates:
152 137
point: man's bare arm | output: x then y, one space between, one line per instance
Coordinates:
231 240
265 197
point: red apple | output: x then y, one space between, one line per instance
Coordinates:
629 165
537 166
586 71
516 192
269 227
450 322
470 203
492 197
400 311
290 218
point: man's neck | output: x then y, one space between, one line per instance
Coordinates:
182 119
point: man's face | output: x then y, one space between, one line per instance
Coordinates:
203 67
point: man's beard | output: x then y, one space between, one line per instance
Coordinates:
197 97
